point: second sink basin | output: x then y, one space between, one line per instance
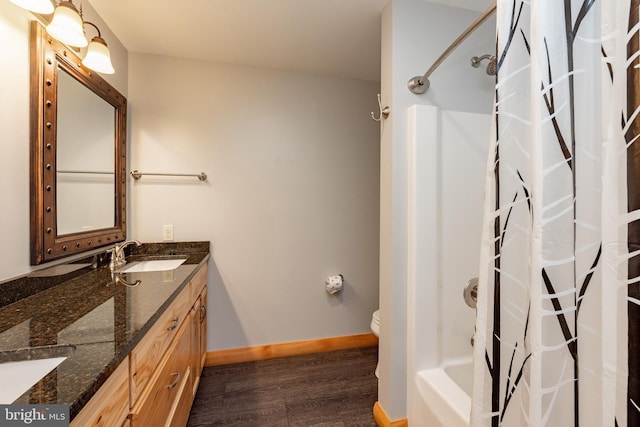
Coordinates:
18 377
21 368
152 265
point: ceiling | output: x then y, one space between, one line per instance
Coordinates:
329 37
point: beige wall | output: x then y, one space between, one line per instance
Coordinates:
291 198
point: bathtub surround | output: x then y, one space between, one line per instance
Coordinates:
557 331
415 33
447 158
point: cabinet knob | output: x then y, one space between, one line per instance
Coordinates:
173 325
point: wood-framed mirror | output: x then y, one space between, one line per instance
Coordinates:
78 154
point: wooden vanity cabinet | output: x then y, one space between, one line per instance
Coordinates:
165 366
155 385
110 405
147 355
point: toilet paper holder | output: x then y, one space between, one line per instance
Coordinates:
334 284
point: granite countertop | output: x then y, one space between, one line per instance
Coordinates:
81 305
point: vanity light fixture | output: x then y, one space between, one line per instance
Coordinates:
67 26
98 57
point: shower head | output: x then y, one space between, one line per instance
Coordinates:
492 66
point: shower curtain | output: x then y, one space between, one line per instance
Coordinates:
558 321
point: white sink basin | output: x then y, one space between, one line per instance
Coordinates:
152 265
18 377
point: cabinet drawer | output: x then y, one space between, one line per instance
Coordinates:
181 408
145 357
198 282
160 400
110 405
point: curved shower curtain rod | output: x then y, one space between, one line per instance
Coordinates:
420 84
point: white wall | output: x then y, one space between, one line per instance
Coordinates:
14 122
291 197
414 34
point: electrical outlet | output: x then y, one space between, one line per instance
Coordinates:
167 233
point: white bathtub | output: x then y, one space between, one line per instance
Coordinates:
445 394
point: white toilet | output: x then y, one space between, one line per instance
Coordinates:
375 328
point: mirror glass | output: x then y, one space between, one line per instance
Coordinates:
78 154
85 161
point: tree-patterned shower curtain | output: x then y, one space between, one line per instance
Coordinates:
558 322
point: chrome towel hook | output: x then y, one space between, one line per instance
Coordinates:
384 111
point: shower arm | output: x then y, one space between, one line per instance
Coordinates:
476 60
420 84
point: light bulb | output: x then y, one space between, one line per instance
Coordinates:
98 57
66 25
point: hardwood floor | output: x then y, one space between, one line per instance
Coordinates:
333 389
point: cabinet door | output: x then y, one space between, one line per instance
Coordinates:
203 329
195 345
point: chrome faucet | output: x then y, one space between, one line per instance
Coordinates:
117 254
